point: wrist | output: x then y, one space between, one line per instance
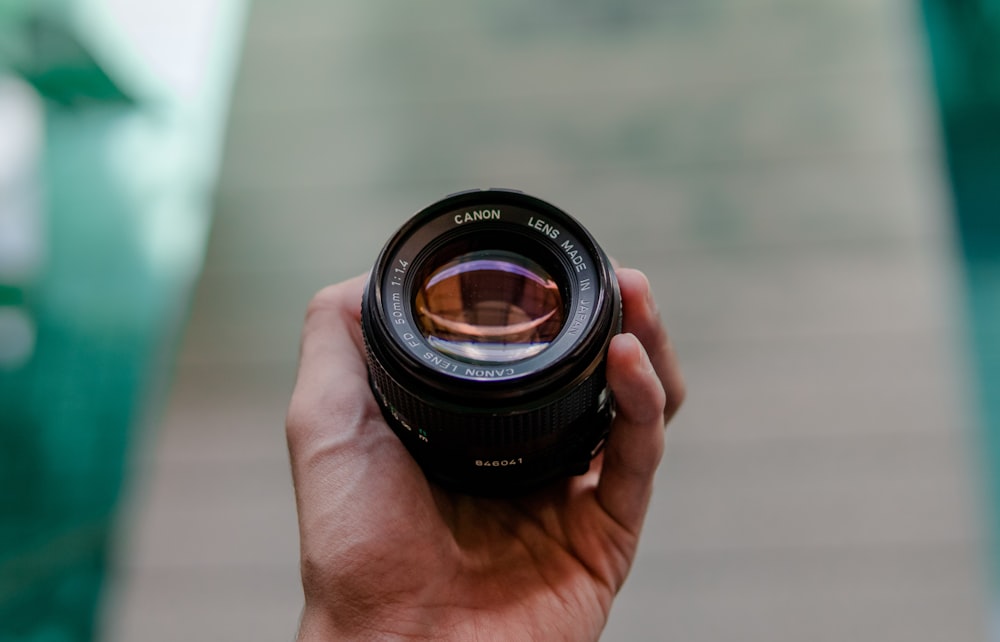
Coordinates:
319 625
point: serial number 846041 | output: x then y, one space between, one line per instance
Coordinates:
499 462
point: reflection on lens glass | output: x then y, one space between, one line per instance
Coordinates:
491 306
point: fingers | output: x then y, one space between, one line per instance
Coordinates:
635 444
648 387
332 377
332 321
642 318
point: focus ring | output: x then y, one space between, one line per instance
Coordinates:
485 429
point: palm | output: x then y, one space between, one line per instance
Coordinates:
479 563
541 565
386 552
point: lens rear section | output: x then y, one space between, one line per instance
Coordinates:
490 306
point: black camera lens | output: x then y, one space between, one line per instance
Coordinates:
487 320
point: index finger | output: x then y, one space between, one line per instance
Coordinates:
641 317
332 376
635 444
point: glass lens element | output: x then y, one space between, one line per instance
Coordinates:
490 306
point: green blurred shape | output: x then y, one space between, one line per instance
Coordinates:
69 410
127 192
964 37
37 41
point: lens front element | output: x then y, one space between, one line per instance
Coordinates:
490 306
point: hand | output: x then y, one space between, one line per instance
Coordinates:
386 554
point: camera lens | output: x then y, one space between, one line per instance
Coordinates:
490 306
486 320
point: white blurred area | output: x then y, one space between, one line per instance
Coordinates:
22 227
772 165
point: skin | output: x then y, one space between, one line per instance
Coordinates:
387 555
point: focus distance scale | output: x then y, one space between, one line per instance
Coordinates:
487 319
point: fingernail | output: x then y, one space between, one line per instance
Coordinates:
649 291
650 300
645 365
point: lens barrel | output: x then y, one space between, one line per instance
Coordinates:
487 319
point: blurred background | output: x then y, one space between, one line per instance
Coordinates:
812 187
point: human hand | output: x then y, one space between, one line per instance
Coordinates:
386 554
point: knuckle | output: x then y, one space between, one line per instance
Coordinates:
679 392
298 421
659 401
325 299
674 395
340 301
